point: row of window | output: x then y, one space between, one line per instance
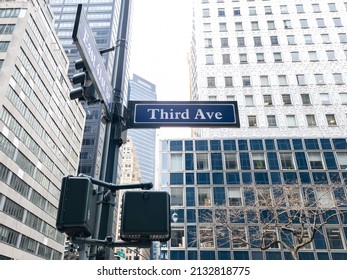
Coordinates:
255 144
252 11
295 56
255 160
246 81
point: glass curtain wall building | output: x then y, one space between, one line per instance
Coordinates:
40 131
284 63
144 139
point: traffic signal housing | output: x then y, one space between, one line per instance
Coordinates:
145 216
84 90
77 205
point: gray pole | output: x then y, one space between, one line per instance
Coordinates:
115 128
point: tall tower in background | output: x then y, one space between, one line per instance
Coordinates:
144 139
41 131
103 17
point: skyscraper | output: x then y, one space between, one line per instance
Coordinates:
283 62
144 139
41 131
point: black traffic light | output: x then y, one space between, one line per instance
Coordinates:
77 204
85 89
145 216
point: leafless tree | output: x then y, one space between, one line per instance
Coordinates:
290 216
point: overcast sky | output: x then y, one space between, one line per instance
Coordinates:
161 36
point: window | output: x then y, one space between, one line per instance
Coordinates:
271 121
237 11
300 78
268 10
294 196
308 39
207 27
332 7
284 9
330 55
230 161
311 121
287 161
319 79
243 57
249 100
303 23
202 161
221 12
331 119
305 98
337 22
176 197
226 58
343 37
246 81
325 98
206 238
277 57
211 82
282 79
291 39
224 42
343 97
6 28
291 122
228 81
205 12
286 99
271 25
238 26
325 38
234 197
255 25
252 121
4 46
209 59
315 160
342 159
300 8
252 11
316 8
241 42
208 43
176 162
320 23
260 57
295 56
258 161
274 40
338 79
334 238
264 196
257 41
287 24
223 27
313 56
177 238
264 81
324 198
204 196
267 100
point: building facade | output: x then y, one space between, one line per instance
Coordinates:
41 131
144 139
284 63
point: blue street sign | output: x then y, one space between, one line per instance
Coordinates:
85 42
149 114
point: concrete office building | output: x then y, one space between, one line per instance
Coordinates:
284 63
40 131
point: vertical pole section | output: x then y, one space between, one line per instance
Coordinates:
115 129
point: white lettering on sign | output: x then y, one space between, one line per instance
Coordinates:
162 114
207 115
